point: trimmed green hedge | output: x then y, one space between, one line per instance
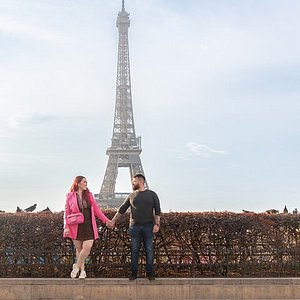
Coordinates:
188 245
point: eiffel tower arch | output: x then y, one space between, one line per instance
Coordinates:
125 148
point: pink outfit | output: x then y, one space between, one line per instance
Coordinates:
71 207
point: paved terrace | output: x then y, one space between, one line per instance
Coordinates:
142 289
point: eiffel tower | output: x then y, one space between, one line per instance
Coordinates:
125 148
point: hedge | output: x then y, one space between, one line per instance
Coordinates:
204 244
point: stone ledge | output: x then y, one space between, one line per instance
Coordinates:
143 289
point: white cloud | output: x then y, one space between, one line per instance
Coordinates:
195 149
4 134
26 29
14 159
22 121
19 159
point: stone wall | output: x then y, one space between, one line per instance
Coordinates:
142 289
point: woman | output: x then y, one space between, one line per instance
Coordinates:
80 199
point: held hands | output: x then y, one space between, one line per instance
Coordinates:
66 231
110 224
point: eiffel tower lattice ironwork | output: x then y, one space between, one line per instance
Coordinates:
125 147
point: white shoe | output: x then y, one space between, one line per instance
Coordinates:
82 274
75 271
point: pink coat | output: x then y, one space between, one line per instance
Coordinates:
71 207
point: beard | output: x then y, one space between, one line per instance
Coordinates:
135 187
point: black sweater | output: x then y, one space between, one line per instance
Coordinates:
143 207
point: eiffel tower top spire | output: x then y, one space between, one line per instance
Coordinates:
123 19
124 129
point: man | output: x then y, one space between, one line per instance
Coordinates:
144 223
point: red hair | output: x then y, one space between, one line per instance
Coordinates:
74 188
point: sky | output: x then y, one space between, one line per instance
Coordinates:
215 89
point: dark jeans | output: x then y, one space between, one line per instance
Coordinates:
142 233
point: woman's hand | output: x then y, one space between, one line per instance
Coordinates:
66 231
110 224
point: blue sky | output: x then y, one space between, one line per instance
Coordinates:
215 88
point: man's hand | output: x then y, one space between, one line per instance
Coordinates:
155 228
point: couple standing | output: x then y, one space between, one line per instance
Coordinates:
144 223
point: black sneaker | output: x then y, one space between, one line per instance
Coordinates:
133 276
150 275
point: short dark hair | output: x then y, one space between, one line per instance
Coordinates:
139 176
